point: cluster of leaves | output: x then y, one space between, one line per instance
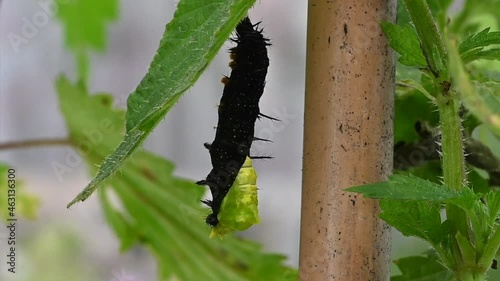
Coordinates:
145 203
156 208
463 81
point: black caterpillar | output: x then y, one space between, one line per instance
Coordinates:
238 111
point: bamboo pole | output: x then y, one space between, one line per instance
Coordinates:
348 140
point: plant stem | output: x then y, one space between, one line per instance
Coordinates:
451 141
490 250
471 276
428 32
34 143
453 166
452 147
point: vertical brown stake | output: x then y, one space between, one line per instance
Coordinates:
348 140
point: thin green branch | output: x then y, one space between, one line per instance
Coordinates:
430 37
451 141
34 143
490 250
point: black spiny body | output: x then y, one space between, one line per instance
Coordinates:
238 111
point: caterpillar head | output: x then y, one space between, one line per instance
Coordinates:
212 220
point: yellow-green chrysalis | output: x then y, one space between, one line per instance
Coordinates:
239 209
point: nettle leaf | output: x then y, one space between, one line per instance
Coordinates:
403 17
85 23
125 230
190 42
467 201
483 212
422 268
420 219
407 187
411 205
492 199
491 54
404 40
147 204
417 86
472 48
27 204
481 99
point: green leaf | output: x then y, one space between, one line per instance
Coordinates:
96 133
472 48
482 99
483 215
439 9
419 219
430 39
417 86
408 187
491 54
85 23
157 209
403 18
492 200
185 51
124 228
481 39
467 250
12 188
422 268
404 40
190 42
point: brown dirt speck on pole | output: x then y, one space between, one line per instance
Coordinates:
348 140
